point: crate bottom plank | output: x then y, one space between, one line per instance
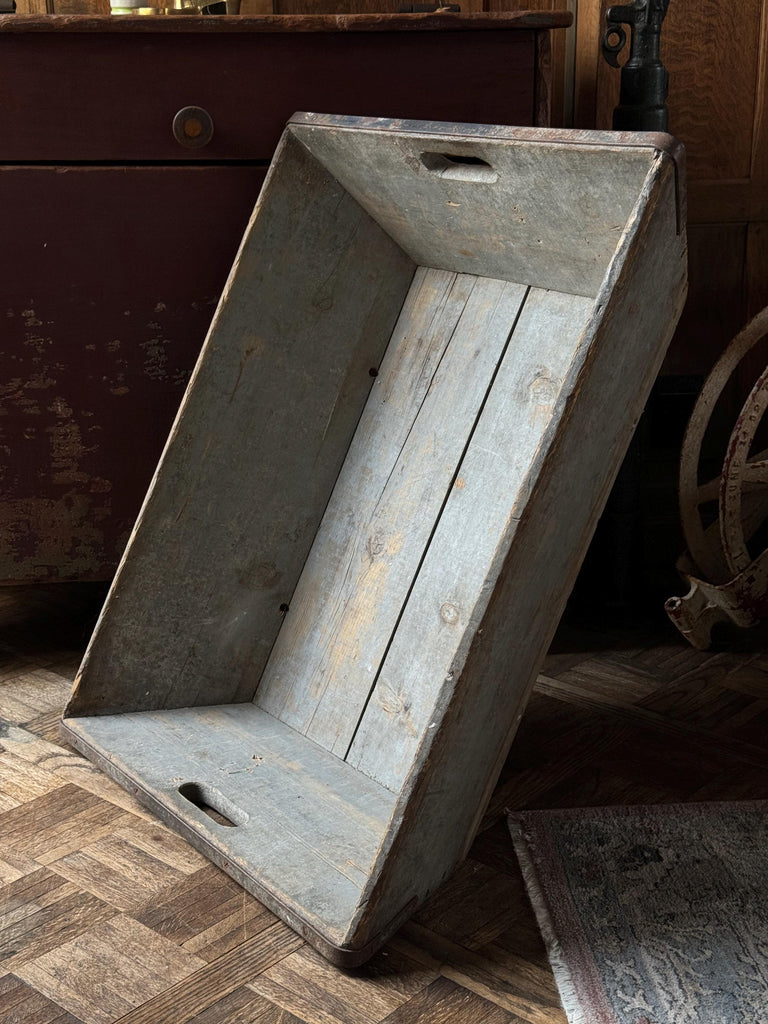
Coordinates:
307 825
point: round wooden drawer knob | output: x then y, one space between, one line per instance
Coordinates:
193 127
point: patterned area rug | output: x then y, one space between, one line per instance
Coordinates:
653 915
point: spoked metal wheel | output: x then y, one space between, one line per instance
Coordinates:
727 581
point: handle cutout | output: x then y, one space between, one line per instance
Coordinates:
214 804
459 167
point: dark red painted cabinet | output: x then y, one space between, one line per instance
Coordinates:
118 239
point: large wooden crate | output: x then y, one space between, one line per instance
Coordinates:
429 358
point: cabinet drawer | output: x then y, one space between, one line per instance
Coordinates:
110 282
113 96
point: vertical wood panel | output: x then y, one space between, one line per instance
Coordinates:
760 146
589 21
34 6
757 267
715 309
712 52
560 75
717 56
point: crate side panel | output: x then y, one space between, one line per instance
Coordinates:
263 431
544 214
461 567
400 467
306 825
444 799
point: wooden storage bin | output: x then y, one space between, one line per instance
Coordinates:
427 363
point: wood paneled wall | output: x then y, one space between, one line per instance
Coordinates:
717 56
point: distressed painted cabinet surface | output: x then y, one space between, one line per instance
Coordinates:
119 236
428 361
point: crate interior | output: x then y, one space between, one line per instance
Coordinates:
321 539
305 777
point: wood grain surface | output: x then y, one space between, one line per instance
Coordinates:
306 829
323 509
301 325
157 935
717 58
488 489
534 212
364 21
392 489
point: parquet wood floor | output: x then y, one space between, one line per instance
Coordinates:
106 916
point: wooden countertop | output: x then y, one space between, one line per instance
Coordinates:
286 22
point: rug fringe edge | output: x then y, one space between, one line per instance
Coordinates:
563 978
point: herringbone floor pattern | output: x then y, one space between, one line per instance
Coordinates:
106 916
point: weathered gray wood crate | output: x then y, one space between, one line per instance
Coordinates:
427 363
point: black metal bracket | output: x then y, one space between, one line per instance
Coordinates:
644 79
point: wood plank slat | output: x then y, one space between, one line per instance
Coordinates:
117 970
63 820
243 1006
446 1002
19 779
32 693
207 913
473 972
477 902
21 1004
180 1002
117 872
41 912
749 753
14 865
380 518
63 765
551 732
550 538
307 986
460 569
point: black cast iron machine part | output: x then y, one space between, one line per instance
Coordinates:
644 79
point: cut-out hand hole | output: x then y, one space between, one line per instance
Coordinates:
214 804
459 167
